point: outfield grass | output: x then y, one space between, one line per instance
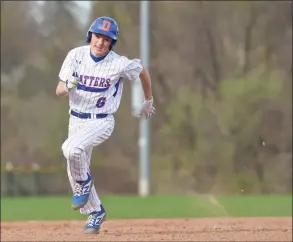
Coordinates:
118 207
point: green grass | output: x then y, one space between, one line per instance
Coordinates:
118 207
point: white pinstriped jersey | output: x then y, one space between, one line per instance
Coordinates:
100 85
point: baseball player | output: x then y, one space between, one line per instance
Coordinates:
92 77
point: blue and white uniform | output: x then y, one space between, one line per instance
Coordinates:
92 105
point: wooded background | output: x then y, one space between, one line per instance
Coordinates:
222 84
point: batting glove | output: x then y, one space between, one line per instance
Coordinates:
147 109
70 84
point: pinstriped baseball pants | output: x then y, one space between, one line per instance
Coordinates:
83 136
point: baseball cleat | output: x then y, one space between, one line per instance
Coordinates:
95 221
81 193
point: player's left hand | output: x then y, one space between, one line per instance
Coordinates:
147 109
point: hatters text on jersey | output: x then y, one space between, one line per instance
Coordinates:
93 81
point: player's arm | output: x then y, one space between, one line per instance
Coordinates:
61 89
134 70
147 109
146 84
66 79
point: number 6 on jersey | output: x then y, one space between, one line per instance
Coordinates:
101 102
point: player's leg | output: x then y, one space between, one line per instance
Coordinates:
76 148
81 190
88 135
94 208
75 125
94 201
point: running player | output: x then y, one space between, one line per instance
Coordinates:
92 77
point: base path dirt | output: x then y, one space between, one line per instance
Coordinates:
206 229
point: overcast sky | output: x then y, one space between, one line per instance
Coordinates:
85 6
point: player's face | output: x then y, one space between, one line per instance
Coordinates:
100 44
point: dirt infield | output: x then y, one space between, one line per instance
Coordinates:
218 229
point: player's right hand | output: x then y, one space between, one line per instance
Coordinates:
71 83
